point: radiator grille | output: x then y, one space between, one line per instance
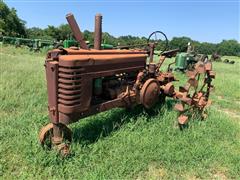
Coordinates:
69 85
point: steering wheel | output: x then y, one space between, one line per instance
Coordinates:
155 38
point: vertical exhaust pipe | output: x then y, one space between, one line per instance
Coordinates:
76 31
98 32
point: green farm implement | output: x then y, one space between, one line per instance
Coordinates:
71 42
187 60
33 44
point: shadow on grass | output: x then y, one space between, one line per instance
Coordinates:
94 129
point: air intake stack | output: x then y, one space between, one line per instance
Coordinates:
76 31
98 32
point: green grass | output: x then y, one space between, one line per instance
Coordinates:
116 144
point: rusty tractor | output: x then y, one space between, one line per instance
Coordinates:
217 58
82 82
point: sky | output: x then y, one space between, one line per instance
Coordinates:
202 20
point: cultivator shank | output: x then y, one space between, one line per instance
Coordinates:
194 96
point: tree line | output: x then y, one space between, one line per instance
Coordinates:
12 25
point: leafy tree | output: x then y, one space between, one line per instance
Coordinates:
35 33
206 48
64 32
10 23
109 39
88 36
229 47
180 42
53 32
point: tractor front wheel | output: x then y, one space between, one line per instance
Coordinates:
61 141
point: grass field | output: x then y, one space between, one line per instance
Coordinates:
116 144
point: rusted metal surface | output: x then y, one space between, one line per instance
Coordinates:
98 32
54 135
83 82
179 107
151 53
149 93
195 94
46 133
76 31
182 119
168 89
51 68
53 54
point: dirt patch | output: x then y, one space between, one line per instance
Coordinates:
191 177
153 172
221 98
230 113
219 174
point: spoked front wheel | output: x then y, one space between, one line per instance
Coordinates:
60 141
